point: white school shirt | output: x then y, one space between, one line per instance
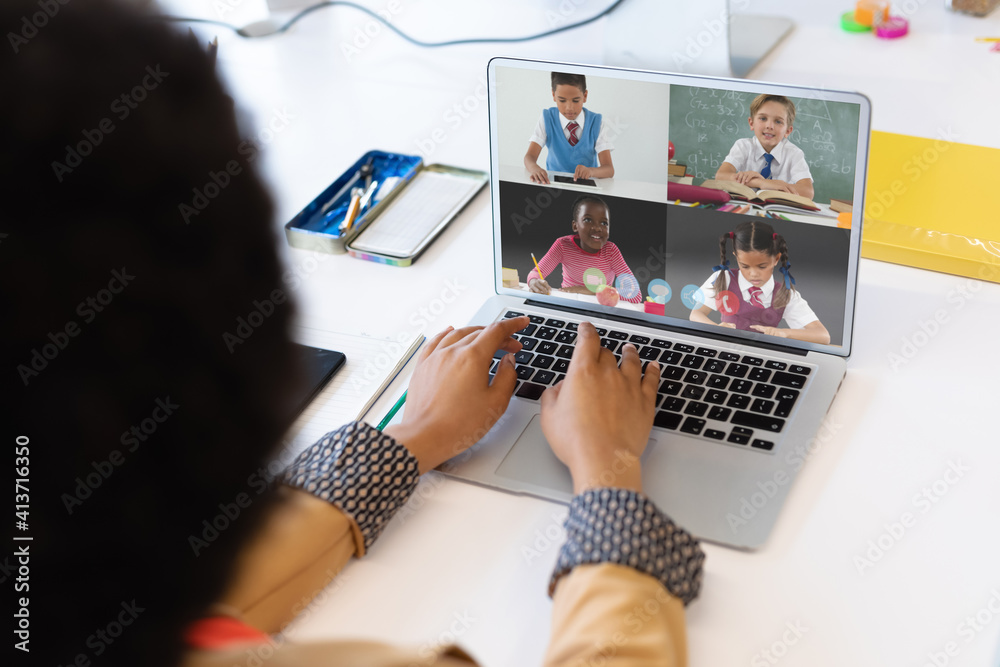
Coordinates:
603 143
797 313
789 163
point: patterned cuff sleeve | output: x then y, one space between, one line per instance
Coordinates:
365 473
625 527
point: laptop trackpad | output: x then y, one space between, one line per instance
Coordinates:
532 462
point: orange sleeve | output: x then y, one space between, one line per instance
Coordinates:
300 549
615 616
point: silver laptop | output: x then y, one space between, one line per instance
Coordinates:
752 343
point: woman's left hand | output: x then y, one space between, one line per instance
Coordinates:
451 403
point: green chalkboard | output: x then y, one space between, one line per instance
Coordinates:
706 122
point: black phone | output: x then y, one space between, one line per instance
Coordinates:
319 366
569 179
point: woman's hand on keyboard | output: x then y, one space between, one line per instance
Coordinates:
598 419
450 403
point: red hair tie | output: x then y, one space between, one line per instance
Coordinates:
732 235
774 236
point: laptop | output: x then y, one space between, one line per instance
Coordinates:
737 407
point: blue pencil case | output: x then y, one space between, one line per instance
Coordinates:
396 205
321 224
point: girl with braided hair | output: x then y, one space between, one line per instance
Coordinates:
748 297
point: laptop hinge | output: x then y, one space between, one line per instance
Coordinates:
668 327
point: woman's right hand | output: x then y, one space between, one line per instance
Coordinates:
539 286
597 420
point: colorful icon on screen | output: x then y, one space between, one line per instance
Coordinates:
594 278
659 290
727 303
627 286
692 296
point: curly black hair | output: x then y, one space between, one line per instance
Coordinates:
143 426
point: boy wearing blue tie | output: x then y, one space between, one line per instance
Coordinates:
577 140
769 161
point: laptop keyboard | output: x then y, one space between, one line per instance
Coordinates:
721 395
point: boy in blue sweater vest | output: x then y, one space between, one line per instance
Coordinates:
577 140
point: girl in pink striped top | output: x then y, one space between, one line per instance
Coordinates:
588 247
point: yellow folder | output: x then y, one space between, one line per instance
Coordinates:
933 204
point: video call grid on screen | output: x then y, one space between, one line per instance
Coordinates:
670 249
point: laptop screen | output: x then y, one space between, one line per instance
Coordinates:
725 206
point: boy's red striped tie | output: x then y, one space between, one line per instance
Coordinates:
572 126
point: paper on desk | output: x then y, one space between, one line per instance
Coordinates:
372 363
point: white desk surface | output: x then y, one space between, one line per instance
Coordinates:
454 568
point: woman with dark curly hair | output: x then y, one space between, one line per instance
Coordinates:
158 535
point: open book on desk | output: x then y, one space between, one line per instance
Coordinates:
372 364
748 194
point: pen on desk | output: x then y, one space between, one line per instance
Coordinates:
537 268
366 197
352 210
361 195
392 412
988 39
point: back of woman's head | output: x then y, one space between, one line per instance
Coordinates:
143 425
